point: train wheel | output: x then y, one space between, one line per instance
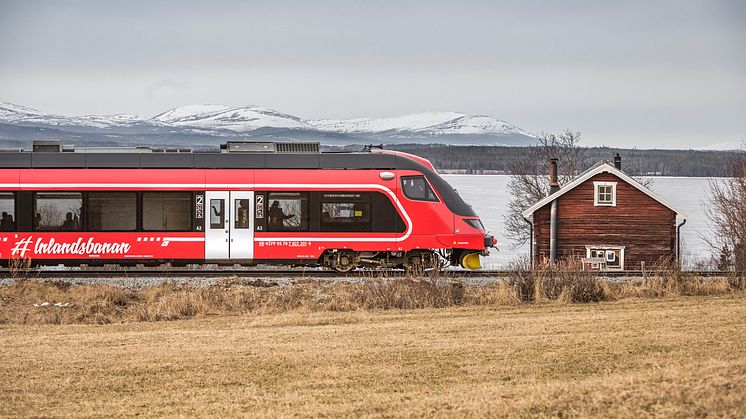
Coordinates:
437 266
420 262
415 268
345 261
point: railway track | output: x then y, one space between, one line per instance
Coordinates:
290 273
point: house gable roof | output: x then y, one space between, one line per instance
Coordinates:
600 167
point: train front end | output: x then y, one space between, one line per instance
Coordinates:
468 240
469 256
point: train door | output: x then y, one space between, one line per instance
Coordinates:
229 230
242 225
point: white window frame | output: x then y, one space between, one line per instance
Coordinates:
588 249
596 201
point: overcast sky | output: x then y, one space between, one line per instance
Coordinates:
640 74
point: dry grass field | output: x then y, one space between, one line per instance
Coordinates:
673 356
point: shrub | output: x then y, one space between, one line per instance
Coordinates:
561 281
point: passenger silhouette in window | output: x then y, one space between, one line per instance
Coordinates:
7 223
37 221
242 213
69 224
277 216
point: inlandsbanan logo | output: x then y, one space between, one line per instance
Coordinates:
78 247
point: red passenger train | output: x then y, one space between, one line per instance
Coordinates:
250 203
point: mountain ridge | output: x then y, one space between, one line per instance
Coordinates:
207 124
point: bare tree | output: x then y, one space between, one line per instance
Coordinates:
528 181
726 209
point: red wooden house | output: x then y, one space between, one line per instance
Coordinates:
606 218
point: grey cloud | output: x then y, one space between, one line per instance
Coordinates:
164 84
588 65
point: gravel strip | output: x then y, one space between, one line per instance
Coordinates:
136 283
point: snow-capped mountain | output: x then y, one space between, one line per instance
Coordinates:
238 119
209 125
12 112
16 114
429 123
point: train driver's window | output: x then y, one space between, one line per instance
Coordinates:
57 211
417 188
288 211
8 208
167 211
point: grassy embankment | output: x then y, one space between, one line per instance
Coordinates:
31 302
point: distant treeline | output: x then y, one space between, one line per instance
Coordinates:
476 159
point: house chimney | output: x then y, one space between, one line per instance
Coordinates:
553 179
618 161
553 187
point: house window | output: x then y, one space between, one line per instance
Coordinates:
606 257
604 194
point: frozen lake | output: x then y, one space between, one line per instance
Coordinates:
489 197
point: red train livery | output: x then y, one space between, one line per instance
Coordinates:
251 203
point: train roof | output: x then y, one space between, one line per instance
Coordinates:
232 155
48 154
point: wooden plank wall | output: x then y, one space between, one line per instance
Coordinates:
644 226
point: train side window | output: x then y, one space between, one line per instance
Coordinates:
385 216
8 208
241 216
57 211
217 213
288 211
111 211
346 211
417 188
167 211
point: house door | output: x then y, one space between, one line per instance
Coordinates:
229 230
